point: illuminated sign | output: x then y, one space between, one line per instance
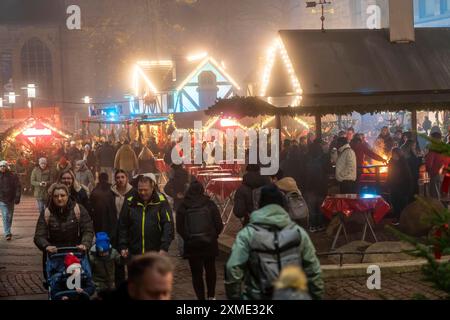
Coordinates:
33 132
228 123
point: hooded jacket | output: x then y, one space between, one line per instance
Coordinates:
63 228
147 161
84 175
237 271
105 155
243 199
199 201
146 227
346 164
37 176
126 159
103 268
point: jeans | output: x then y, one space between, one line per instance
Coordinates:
198 265
7 210
41 206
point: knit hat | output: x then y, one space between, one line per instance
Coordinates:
102 243
70 260
3 163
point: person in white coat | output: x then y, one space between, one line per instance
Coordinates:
346 167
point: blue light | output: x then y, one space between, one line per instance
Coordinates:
368 196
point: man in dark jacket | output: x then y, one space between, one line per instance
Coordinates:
101 203
10 192
243 199
105 158
146 222
74 154
362 150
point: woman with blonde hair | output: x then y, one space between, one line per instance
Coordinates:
292 284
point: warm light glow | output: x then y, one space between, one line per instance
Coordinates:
197 56
31 91
147 80
87 100
12 97
166 63
278 46
201 65
228 123
1 102
33 132
302 122
135 80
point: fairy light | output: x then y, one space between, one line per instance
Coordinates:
302 122
146 79
278 46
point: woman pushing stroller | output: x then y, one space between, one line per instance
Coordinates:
64 224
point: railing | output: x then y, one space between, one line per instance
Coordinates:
362 254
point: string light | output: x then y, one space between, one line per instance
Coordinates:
278 46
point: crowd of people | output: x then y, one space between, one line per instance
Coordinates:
105 200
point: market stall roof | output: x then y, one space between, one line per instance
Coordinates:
342 71
10 134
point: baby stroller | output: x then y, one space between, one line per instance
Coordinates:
57 275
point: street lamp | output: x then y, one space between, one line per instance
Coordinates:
31 93
87 100
12 101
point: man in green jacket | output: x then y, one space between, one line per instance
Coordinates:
41 178
268 243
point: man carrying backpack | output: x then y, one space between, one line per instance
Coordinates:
265 246
247 195
199 224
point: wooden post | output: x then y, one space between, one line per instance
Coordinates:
318 120
414 121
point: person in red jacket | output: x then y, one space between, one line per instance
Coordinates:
436 164
362 150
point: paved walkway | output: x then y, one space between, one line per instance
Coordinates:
21 274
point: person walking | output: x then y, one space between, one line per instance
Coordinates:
346 167
145 222
147 162
262 248
126 159
64 223
105 158
41 179
100 203
90 159
74 154
414 159
10 193
400 183
62 165
77 192
84 175
199 223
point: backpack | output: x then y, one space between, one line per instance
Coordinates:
296 206
271 249
199 226
256 195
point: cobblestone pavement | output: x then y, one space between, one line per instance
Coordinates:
21 273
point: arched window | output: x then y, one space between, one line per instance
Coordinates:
36 64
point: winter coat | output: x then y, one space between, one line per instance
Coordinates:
74 154
189 202
435 162
63 228
10 189
146 227
243 199
103 268
60 169
177 184
126 159
105 155
362 150
346 164
37 176
101 203
317 174
85 176
295 166
237 270
110 221
400 180
90 159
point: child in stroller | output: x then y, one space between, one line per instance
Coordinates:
69 275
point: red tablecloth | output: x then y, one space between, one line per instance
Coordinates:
350 205
224 187
196 170
236 167
161 165
204 177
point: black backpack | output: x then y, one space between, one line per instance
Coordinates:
200 229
